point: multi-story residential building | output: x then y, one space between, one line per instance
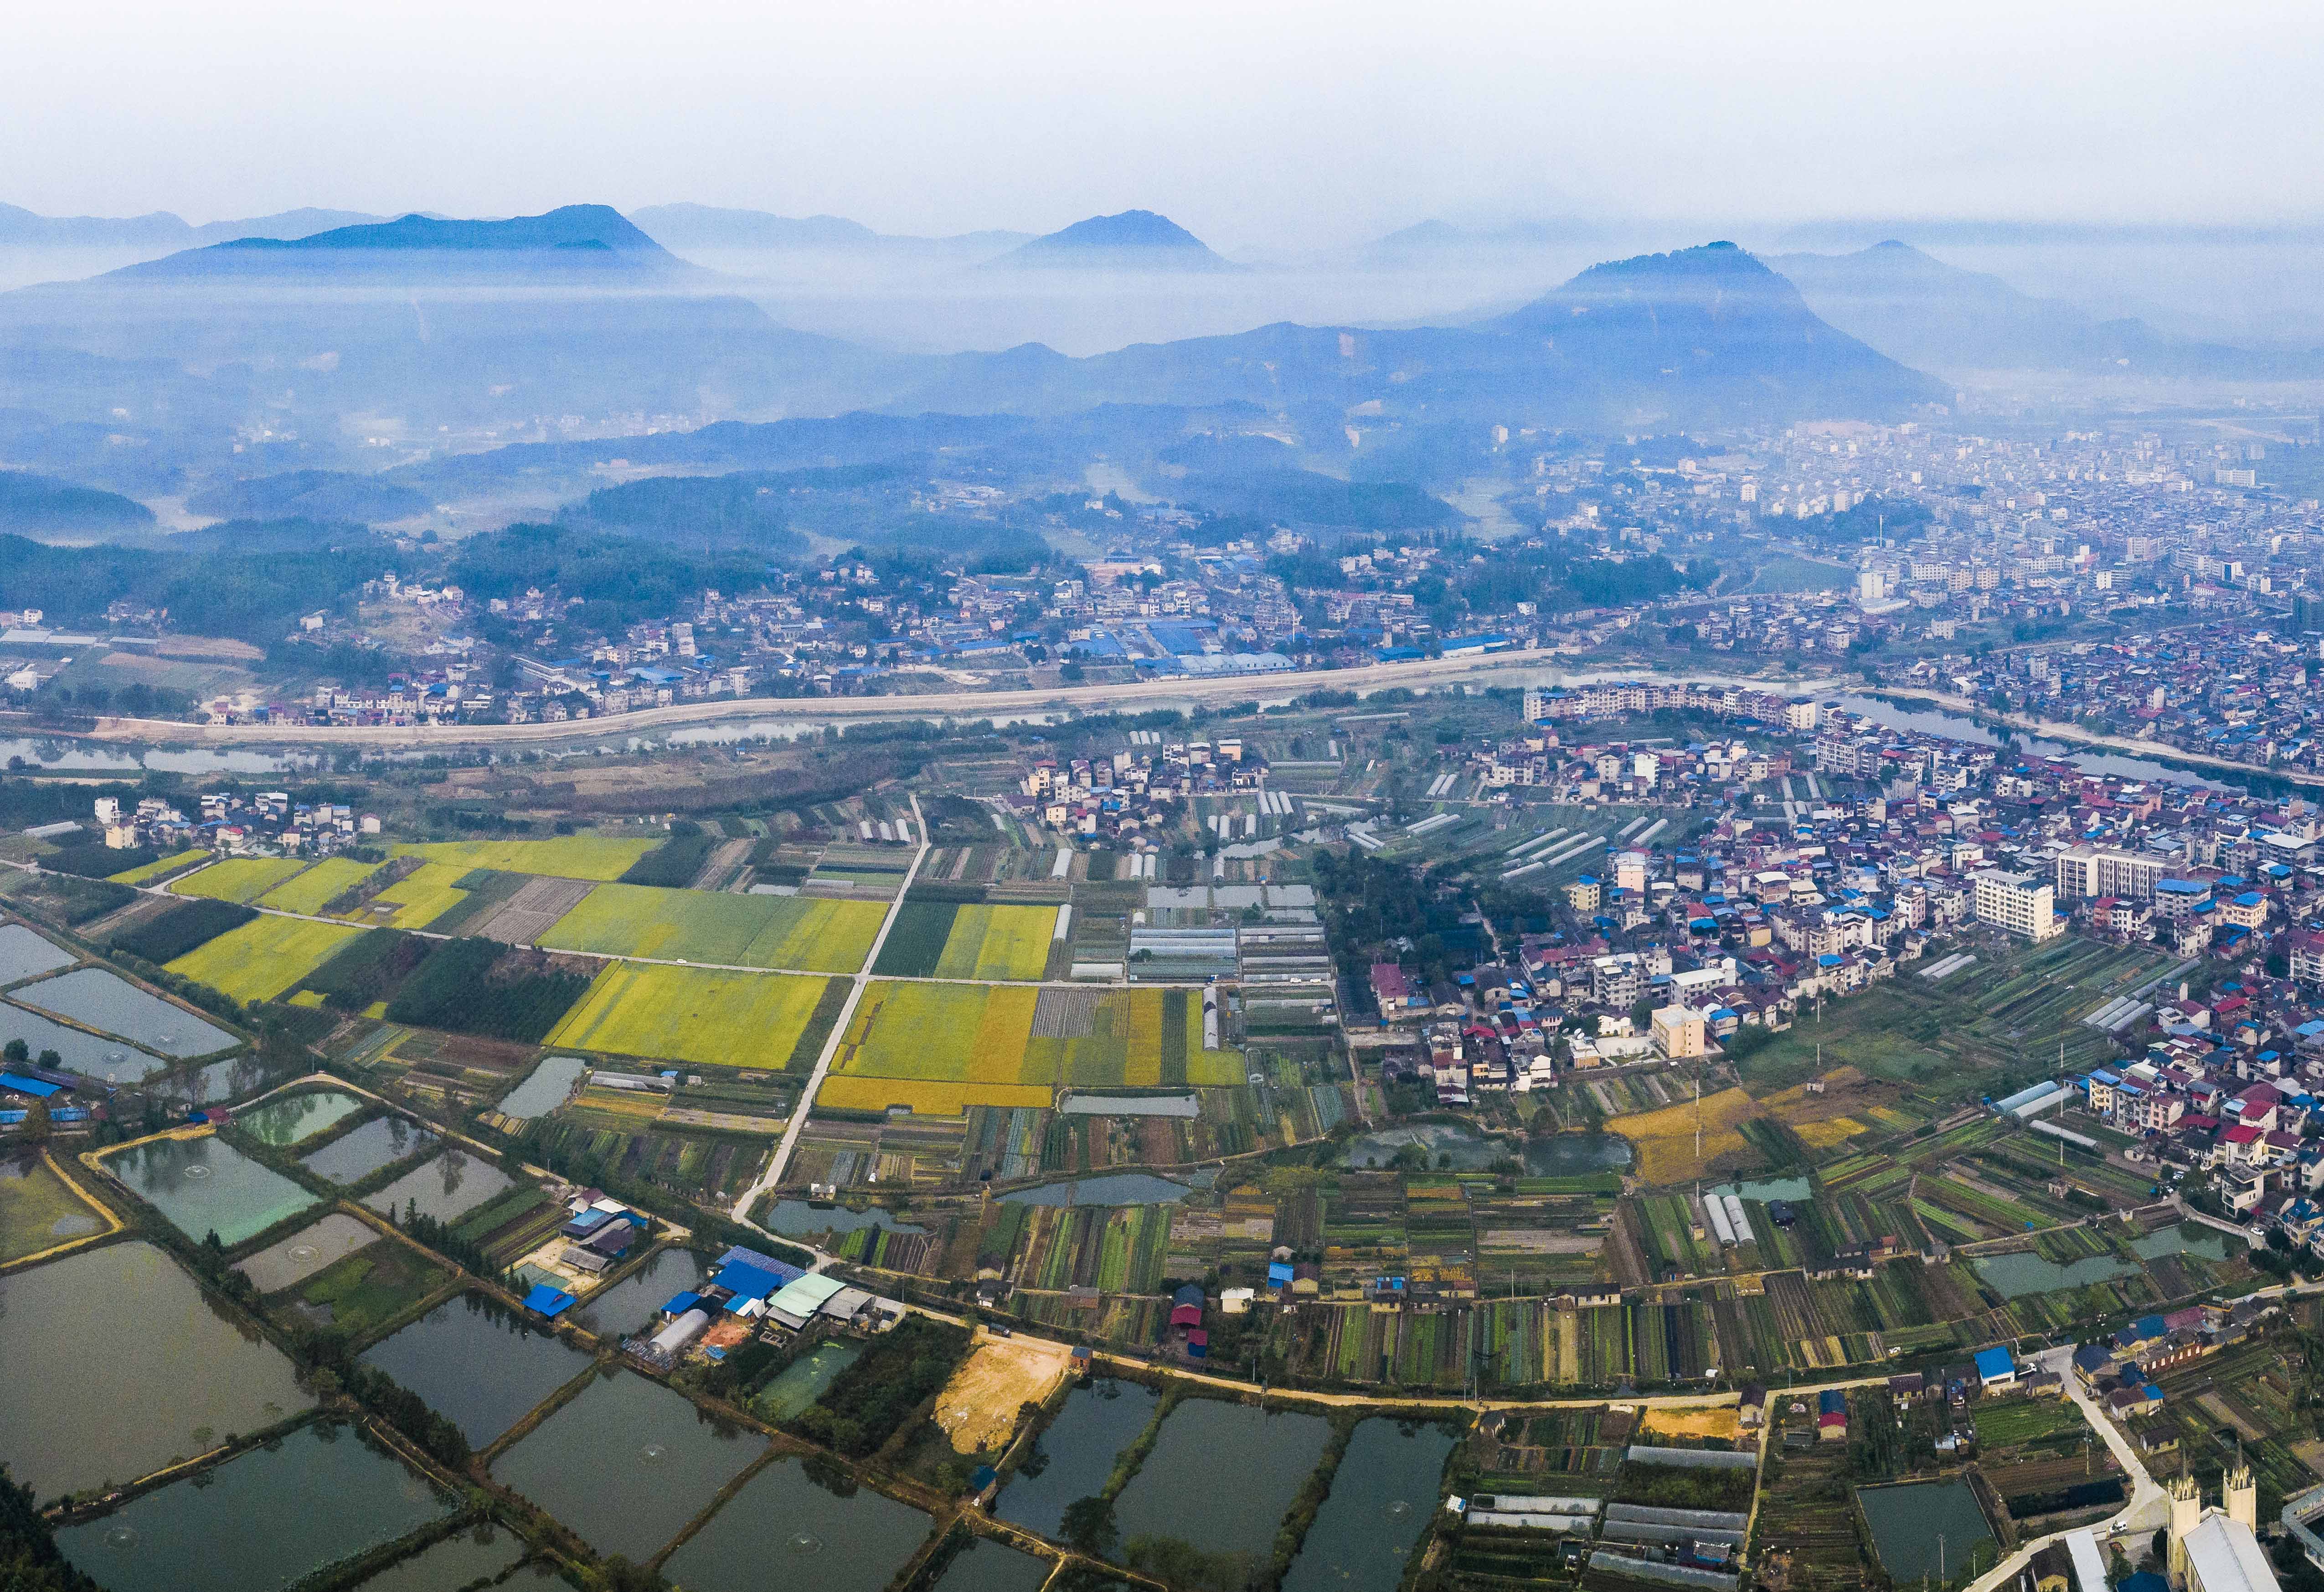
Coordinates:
2018 902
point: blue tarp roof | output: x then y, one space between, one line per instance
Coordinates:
679 1303
766 1262
17 1083
547 1300
748 1282
1995 1362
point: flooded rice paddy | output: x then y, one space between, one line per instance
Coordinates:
797 1523
293 1119
264 1519
352 1157
1382 1498
1221 1476
97 999
1072 1458
626 1463
479 1365
177 1376
444 1188
204 1186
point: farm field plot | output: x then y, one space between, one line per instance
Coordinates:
1665 1139
311 891
943 940
38 1210
1008 1045
264 957
597 857
160 869
795 933
424 896
242 879
699 1015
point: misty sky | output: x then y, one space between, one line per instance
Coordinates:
1267 128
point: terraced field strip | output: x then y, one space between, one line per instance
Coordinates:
264 957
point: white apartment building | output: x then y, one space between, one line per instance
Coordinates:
2018 902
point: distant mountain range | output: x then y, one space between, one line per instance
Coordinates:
1938 317
1134 240
20 228
486 326
705 227
1436 244
1703 337
589 239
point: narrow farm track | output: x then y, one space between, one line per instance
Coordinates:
774 1176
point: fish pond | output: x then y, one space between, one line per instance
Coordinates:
1221 1476
1112 1188
480 1367
2189 1238
799 1218
1075 1454
444 1188
1382 1498
1460 1147
463 1558
234 1078
629 1306
204 1186
353 1156
544 1089
1915 1524
626 1463
288 1262
293 1119
264 1519
804 1381
1767 1188
84 1053
171 1376
23 953
798 1523
986 1566
2015 1276
103 1001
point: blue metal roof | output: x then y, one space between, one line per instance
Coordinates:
18 1083
746 1280
547 1300
1995 1362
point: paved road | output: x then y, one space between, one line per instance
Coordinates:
957 705
782 1156
2146 1509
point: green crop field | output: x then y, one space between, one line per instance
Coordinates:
423 895
1008 1045
37 1210
319 887
238 878
795 932
696 1015
264 957
160 869
942 940
566 857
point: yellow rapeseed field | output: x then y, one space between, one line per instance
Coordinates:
693 1014
264 957
1665 1139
